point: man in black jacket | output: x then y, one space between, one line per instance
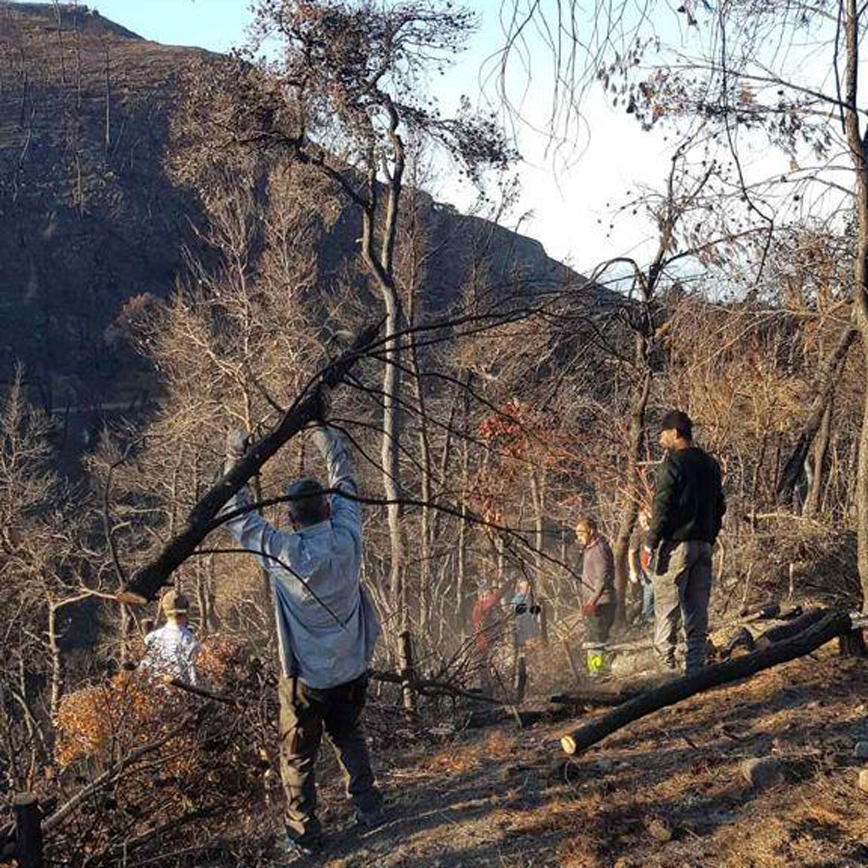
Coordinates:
686 516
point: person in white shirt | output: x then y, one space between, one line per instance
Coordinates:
171 651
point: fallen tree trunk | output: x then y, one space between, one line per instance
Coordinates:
789 630
595 698
772 611
833 623
147 581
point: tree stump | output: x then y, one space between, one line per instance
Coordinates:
28 831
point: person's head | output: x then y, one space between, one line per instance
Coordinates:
586 530
676 430
487 586
308 503
644 518
175 606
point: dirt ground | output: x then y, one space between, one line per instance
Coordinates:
665 792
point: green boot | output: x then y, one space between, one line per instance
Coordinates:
596 657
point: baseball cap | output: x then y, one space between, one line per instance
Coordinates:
677 420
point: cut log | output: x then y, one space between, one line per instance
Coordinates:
852 644
147 581
720 636
791 628
765 611
741 640
832 624
592 697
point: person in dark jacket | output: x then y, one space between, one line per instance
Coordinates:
686 516
597 592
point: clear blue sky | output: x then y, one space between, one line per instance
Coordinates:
213 24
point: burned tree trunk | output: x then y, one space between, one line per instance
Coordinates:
147 581
827 379
832 623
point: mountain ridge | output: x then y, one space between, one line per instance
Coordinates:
89 216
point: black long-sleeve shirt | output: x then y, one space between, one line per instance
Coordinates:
688 498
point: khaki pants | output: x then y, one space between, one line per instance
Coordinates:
682 589
304 713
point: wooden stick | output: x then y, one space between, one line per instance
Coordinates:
833 623
201 691
147 581
431 687
572 661
405 641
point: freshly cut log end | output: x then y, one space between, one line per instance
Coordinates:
130 598
569 745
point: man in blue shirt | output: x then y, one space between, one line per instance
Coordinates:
326 629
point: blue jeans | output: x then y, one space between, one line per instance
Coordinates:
647 599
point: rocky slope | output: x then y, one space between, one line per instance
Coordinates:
88 215
670 791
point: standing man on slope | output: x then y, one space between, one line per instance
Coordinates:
686 516
596 593
326 629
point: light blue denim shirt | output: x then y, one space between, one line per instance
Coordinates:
326 624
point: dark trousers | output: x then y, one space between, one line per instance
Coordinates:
304 713
600 623
682 591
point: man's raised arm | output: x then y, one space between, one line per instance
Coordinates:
341 479
250 529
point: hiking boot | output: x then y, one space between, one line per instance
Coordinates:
299 855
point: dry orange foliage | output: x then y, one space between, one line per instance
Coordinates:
113 717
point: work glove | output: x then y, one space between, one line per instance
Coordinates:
236 443
589 610
634 577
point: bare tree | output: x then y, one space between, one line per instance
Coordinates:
346 90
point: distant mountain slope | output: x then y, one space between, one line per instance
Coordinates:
88 216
